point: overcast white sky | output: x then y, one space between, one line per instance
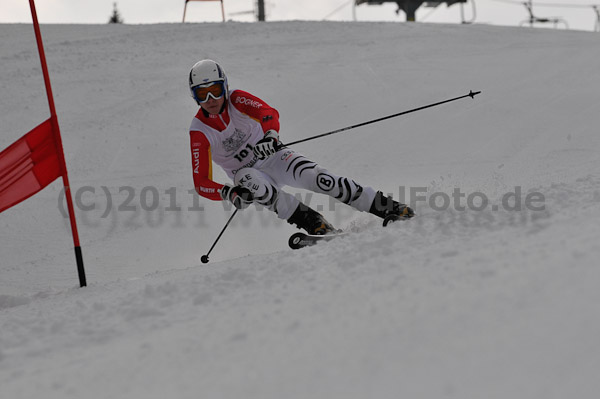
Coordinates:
498 12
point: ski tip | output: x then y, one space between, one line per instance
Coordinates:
472 93
301 240
296 241
394 218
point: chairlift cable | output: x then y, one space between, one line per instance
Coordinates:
337 9
558 5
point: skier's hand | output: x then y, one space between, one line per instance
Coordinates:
268 145
239 196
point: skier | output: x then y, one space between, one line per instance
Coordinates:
240 133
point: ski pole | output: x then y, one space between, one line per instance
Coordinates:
204 258
471 94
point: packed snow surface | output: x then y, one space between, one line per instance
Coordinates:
490 292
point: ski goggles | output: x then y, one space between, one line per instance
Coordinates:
202 93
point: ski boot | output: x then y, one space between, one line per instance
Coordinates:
390 210
312 221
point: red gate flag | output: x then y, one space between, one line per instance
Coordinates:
37 159
28 165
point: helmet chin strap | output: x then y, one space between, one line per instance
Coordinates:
223 106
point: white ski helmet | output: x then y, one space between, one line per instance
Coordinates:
205 72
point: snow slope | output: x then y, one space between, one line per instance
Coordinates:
491 303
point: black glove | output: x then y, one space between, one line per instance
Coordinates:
239 196
268 145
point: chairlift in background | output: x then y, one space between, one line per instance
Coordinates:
410 7
259 10
187 1
533 19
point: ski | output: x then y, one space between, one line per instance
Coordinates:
393 218
301 240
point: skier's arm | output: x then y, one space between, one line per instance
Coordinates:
256 109
202 167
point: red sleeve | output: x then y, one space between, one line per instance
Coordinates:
256 109
202 167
